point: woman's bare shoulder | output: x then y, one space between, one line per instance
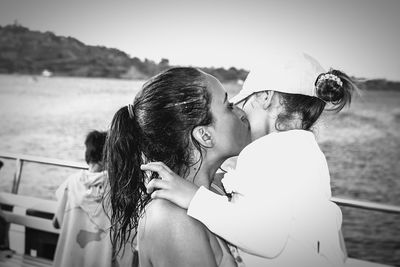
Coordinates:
168 236
165 226
161 214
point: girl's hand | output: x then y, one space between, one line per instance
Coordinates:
171 186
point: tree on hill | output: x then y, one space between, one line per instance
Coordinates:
30 52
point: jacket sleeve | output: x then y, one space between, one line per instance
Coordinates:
258 218
261 230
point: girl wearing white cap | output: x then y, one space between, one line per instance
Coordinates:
279 213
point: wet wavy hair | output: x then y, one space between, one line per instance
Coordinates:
163 116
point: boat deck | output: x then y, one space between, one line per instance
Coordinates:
19 260
21 218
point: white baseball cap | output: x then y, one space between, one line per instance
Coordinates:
294 73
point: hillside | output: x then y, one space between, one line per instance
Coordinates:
30 52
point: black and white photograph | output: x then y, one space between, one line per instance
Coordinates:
184 133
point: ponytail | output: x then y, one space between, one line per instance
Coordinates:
127 193
157 127
336 88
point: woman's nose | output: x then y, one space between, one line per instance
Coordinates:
241 114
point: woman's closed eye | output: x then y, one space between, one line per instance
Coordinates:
230 106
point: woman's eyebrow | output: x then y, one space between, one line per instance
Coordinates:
226 97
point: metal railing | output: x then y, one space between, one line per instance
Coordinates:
20 159
19 163
366 205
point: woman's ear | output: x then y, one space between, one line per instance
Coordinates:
203 136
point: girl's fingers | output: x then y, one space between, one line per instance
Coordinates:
163 165
160 164
160 194
161 169
155 184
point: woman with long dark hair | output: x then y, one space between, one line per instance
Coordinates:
280 212
181 117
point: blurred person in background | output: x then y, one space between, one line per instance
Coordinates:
84 238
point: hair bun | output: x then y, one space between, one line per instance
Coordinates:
329 87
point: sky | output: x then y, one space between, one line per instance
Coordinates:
360 37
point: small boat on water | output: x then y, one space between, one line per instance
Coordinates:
34 239
46 73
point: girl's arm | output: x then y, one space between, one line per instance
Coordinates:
257 224
259 228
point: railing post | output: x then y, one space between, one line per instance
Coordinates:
17 175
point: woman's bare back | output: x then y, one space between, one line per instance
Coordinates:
167 236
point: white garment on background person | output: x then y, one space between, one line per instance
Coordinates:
84 237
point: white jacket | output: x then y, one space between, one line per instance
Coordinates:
280 213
